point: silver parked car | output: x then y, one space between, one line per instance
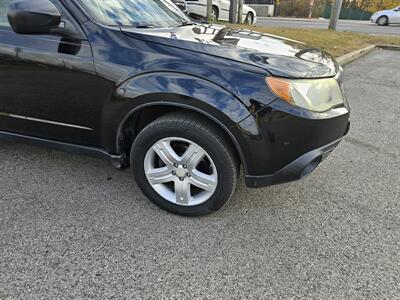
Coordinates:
386 17
220 10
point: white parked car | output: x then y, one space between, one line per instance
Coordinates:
386 17
220 10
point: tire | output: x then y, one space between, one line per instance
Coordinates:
179 130
382 21
214 14
249 19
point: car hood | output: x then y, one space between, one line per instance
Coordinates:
277 55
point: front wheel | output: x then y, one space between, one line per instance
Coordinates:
382 21
214 14
249 19
184 165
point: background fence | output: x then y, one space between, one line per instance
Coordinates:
351 9
348 13
300 8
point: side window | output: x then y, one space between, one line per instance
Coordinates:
3 13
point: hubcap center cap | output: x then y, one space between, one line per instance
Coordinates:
180 171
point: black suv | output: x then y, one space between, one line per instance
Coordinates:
186 106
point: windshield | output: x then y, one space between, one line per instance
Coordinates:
135 13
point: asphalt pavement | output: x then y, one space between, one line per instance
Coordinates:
343 25
72 227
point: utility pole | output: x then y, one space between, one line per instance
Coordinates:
311 8
233 11
335 13
240 12
209 11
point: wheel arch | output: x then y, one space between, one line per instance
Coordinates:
383 16
137 119
217 7
150 95
252 16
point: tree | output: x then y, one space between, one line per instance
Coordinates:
371 5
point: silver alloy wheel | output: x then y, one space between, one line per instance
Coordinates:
249 19
188 178
382 20
214 15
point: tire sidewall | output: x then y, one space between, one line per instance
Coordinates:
383 18
215 10
226 175
249 18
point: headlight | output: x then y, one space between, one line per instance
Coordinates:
313 94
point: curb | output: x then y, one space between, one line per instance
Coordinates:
389 47
349 57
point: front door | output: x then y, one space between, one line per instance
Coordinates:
396 16
48 86
224 7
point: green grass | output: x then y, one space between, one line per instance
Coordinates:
334 42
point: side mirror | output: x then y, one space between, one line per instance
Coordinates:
33 16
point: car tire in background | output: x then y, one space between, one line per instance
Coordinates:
184 164
382 21
249 19
214 14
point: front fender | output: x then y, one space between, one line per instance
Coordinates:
190 90
174 89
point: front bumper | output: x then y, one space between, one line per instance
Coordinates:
298 169
287 143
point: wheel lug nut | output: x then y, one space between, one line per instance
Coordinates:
185 166
188 174
175 165
173 173
181 178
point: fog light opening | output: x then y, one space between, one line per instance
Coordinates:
311 167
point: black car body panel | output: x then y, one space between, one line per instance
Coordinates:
289 136
40 79
84 93
277 55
